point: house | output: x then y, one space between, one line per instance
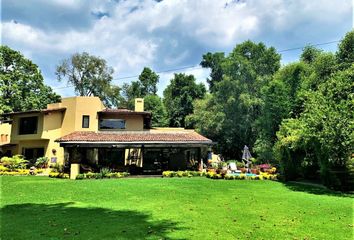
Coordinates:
80 131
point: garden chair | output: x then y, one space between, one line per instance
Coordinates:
233 168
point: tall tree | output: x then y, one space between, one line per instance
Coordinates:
214 62
154 104
148 80
179 96
320 137
21 83
90 76
146 85
345 53
130 92
309 54
280 101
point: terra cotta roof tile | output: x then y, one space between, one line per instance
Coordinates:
183 136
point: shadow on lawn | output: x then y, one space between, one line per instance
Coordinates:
64 221
313 189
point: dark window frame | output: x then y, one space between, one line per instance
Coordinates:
83 121
22 130
112 119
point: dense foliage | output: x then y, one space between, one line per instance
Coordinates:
90 76
179 96
299 115
321 138
154 104
21 83
146 87
229 115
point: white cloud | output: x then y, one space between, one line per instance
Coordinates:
199 73
67 3
175 33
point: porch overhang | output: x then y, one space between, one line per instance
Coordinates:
136 144
151 139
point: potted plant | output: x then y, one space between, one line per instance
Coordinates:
223 166
42 162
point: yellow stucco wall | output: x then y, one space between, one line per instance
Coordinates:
52 130
15 137
76 107
5 133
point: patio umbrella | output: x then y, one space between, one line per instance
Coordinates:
246 156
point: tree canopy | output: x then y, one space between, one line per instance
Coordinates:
236 100
145 86
21 83
179 96
299 116
154 104
90 76
213 61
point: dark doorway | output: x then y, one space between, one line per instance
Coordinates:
112 158
155 161
31 154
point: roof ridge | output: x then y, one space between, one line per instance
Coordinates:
142 136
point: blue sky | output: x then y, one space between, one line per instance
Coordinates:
164 34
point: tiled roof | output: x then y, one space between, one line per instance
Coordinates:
60 109
183 136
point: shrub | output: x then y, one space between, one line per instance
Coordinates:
105 171
17 161
58 175
80 176
115 175
182 174
99 175
90 175
3 169
58 168
21 172
240 165
41 162
168 174
229 177
273 177
210 174
217 176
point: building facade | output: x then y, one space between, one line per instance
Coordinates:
80 130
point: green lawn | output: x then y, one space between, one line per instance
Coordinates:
177 208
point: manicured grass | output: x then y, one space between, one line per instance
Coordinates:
177 208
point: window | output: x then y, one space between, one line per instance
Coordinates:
112 124
85 121
28 125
